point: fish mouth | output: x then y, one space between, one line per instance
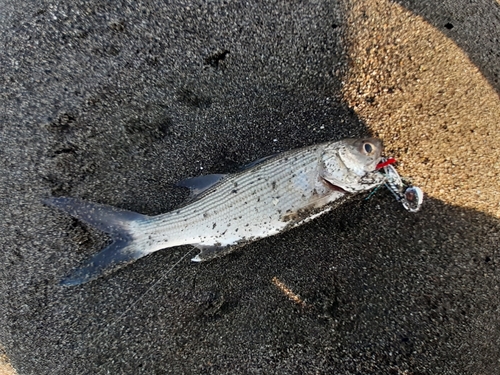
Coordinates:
333 186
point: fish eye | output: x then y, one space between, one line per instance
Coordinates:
368 147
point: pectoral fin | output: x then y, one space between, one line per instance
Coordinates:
333 182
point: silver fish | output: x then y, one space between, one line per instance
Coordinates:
268 197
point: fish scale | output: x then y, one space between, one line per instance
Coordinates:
254 192
267 198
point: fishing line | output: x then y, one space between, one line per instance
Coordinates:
137 301
106 329
149 289
372 193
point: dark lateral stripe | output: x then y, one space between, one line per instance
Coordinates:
276 169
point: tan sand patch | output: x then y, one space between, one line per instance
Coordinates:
5 367
435 111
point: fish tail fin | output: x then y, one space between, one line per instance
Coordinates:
117 223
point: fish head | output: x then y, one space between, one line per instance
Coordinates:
361 155
351 164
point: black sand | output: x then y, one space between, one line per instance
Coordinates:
114 104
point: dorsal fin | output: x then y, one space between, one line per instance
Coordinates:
256 162
199 184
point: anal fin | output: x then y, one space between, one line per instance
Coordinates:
209 252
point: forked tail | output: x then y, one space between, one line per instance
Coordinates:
117 223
